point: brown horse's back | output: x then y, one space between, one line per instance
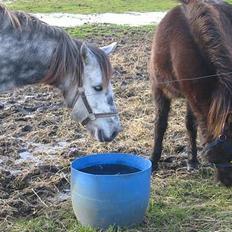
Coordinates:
176 56
191 42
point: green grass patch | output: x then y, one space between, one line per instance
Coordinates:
178 203
106 30
91 6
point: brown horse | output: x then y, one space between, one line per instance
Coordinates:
192 58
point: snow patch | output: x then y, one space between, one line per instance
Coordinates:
73 20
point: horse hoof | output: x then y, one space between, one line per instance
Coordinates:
192 165
155 166
1 106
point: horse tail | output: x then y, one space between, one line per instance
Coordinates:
208 32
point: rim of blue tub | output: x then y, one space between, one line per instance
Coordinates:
77 162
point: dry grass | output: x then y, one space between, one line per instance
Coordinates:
29 201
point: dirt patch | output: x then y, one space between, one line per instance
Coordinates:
39 139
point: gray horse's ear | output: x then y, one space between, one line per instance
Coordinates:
86 54
109 48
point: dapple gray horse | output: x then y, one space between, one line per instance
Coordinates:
33 52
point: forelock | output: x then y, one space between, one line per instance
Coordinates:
104 63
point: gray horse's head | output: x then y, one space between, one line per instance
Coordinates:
93 99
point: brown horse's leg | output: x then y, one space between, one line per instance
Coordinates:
191 126
161 122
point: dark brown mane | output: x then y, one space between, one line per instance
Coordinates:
209 27
12 16
104 63
21 20
67 60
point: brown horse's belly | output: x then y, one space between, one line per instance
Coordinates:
172 92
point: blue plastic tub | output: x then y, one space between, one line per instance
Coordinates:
103 200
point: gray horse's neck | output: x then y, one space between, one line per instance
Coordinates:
25 51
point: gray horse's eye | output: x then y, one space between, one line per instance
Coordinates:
98 88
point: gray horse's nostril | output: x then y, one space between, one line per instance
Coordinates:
115 133
100 135
103 138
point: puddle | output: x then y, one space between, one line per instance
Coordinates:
48 148
60 196
63 196
26 156
38 153
15 172
73 20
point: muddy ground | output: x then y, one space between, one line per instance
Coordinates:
38 139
